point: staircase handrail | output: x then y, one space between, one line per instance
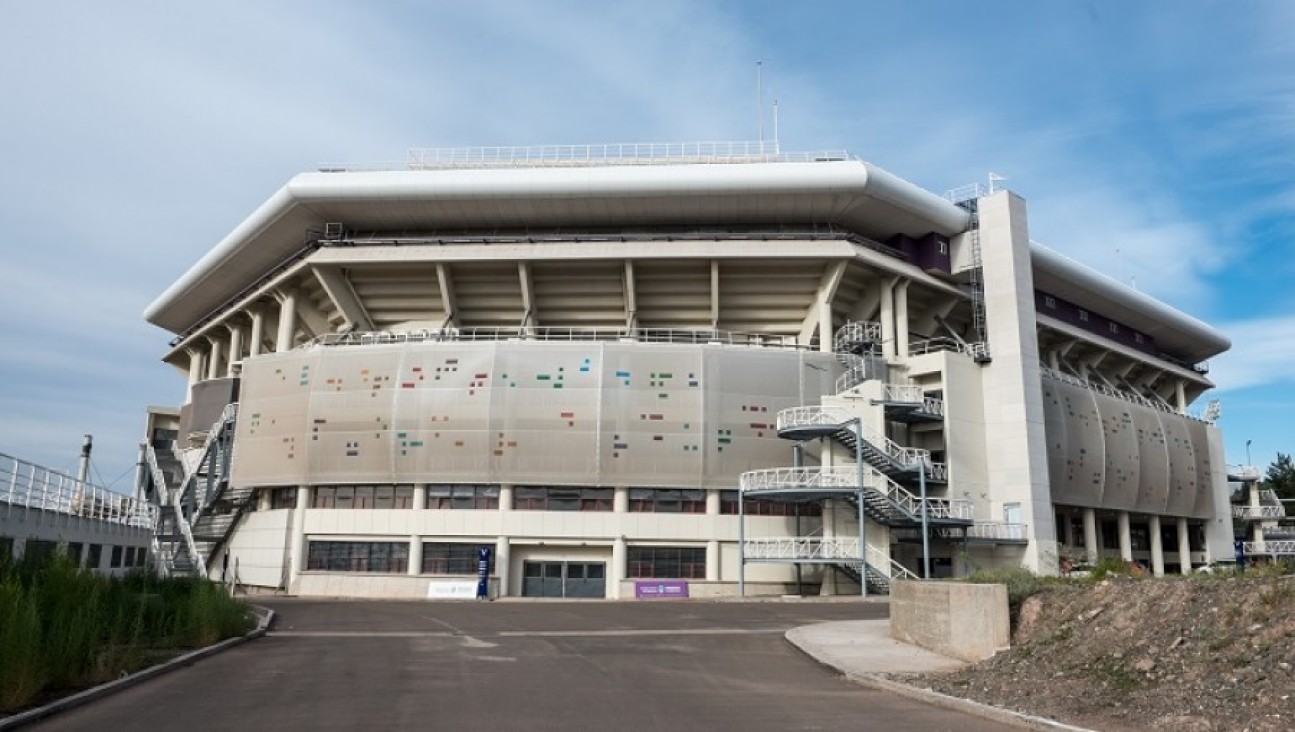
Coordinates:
172 497
846 479
1282 547
1269 497
227 416
1258 512
826 416
855 331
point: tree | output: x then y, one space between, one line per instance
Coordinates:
1280 477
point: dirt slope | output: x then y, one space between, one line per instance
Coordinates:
1187 654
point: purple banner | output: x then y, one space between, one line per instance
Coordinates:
660 589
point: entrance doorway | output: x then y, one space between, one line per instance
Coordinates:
564 579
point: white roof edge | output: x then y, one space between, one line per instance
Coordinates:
265 214
1209 339
846 177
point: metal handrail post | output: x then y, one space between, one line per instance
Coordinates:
863 544
926 533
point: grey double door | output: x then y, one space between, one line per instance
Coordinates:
564 579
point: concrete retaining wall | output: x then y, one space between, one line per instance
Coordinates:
961 620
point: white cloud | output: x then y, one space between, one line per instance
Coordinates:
1262 352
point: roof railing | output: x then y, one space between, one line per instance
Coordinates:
560 333
35 487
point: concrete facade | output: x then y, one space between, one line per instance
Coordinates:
965 621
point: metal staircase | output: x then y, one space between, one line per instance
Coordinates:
884 500
899 463
198 513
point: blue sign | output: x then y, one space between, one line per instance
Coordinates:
483 573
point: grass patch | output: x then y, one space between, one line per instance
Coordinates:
64 628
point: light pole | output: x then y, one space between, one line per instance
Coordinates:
1248 463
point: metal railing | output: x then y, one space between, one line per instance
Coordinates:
840 417
1244 473
855 332
1258 512
846 480
1116 393
1284 547
35 487
1000 530
1269 497
912 394
560 333
635 153
943 343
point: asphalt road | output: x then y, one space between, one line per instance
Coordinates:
519 666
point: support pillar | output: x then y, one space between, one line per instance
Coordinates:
888 318
1157 549
1184 547
712 561
1091 546
617 573
415 567
503 564
298 548
213 360
258 333
506 497
712 503
195 371
420 496
621 500
1068 531
1180 396
1126 540
901 319
287 322
235 347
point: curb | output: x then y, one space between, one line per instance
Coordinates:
935 698
265 615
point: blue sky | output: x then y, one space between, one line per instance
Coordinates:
1153 141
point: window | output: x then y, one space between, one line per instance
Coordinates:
94 556
1083 315
537 498
763 507
667 500
114 560
362 496
6 548
74 552
1137 337
283 498
1050 302
380 557
463 496
449 558
666 562
1115 327
944 247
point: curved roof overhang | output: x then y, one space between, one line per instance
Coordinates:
851 194
1174 332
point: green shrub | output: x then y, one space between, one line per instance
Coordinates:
1021 583
62 627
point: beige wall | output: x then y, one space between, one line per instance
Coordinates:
575 414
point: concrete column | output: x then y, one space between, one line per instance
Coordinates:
1054 360
506 497
258 333
235 347
195 371
1180 396
901 319
287 323
503 560
1157 550
1184 547
298 548
616 574
1091 545
419 500
621 500
1069 531
1126 540
712 561
415 555
213 360
712 503
888 318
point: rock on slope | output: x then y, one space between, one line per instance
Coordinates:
1188 654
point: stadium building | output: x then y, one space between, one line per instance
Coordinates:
685 369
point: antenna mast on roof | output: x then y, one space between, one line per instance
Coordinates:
776 148
759 100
